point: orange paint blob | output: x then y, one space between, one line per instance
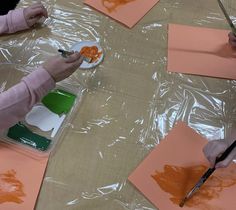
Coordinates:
111 5
91 52
11 189
178 181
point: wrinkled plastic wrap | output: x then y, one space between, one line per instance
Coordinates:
130 102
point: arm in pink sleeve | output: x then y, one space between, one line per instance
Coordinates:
17 101
12 22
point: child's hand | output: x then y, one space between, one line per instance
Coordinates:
232 39
60 68
214 149
34 12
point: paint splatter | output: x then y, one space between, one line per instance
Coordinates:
111 5
178 181
11 189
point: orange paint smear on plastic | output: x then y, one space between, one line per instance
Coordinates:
111 5
11 189
178 181
91 52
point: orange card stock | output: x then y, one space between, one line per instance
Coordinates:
175 166
128 12
20 179
200 51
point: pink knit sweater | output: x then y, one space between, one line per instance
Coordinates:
17 101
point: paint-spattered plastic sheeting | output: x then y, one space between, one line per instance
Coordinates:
130 102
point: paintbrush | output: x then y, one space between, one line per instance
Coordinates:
65 54
207 174
233 29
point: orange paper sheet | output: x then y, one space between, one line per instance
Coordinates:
128 12
175 166
20 178
200 51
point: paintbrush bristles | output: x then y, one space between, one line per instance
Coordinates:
182 202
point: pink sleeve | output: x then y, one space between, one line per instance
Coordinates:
12 22
17 101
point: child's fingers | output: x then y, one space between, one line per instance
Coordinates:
78 62
226 162
38 5
73 66
210 157
72 58
232 43
38 12
44 12
232 37
34 20
213 150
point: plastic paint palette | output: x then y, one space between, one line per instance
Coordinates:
41 117
59 101
86 65
23 135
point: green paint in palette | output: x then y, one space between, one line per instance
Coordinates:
59 101
21 134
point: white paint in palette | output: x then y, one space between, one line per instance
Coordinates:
41 117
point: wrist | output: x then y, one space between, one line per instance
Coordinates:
49 72
16 20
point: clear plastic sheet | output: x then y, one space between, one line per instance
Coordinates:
130 102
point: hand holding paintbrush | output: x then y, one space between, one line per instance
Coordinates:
208 173
215 148
60 68
232 34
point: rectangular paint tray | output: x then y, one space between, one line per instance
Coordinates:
43 126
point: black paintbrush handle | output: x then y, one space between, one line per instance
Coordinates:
226 152
208 173
65 53
218 159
